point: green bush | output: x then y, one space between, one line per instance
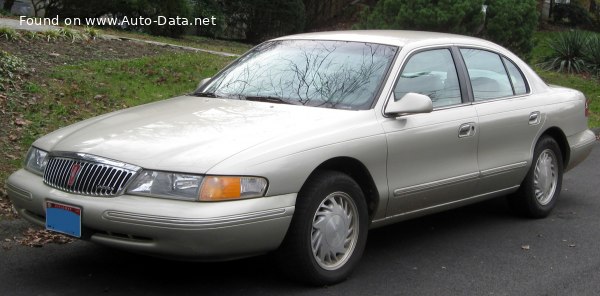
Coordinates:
268 19
208 8
592 54
462 16
571 15
512 23
8 33
169 9
70 34
253 20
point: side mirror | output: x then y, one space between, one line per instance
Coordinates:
410 103
203 82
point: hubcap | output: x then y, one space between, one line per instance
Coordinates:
334 231
545 177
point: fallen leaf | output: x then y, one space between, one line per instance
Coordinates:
12 156
22 122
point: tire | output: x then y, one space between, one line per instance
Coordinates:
541 187
313 251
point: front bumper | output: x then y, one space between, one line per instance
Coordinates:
162 227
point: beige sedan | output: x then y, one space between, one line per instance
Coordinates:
304 144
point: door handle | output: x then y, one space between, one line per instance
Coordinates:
534 118
466 130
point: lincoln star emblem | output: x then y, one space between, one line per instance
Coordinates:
74 170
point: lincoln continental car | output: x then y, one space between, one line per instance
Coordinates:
306 142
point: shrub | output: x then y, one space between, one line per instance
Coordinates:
70 34
51 35
169 9
91 32
592 54
252 20
206 8
568 52
512 23
463 16
8 33
31 35
268 19
571 15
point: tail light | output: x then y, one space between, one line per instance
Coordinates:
587 108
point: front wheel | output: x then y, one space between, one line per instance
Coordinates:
328 232
539 191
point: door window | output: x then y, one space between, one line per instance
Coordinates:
431 73
489 79
518 81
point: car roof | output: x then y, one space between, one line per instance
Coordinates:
391 37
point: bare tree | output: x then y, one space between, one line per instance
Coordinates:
38 5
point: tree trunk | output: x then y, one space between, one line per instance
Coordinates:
8 4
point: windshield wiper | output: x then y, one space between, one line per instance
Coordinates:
205 94
267 99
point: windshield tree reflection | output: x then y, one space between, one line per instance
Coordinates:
331 74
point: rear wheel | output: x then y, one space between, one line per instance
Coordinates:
328 232
539 191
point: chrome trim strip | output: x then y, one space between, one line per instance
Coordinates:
176 222
503 169
445 204
410 189
94 158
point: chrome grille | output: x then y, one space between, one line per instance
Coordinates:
85 177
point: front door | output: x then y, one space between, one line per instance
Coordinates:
432 157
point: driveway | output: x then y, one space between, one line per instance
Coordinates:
477 250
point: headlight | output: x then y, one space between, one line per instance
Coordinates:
195 187
36 160
166 185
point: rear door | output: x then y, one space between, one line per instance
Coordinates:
509 118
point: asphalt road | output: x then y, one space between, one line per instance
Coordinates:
477 250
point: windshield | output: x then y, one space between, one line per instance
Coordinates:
330 74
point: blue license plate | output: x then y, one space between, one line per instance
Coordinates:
63 218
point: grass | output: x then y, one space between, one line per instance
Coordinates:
191 41
587 84
81 91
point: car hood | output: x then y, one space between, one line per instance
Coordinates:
189 134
